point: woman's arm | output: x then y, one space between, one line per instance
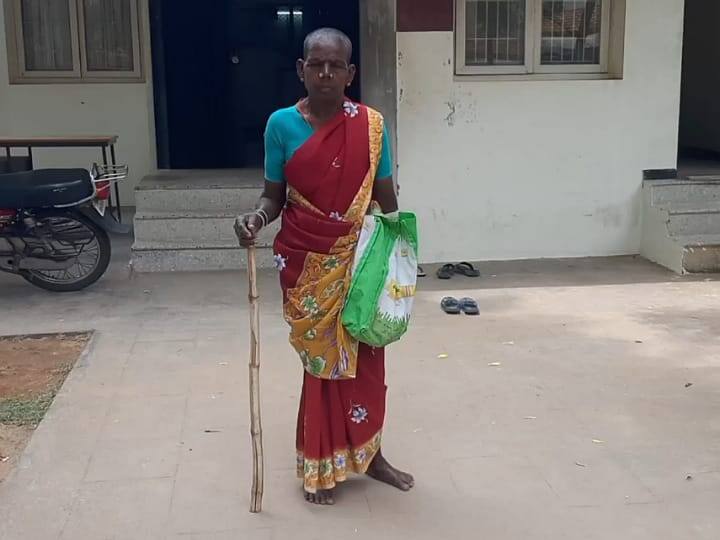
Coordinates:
384 194
273 199
271 203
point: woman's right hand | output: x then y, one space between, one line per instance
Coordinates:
247 228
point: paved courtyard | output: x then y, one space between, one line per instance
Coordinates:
583 404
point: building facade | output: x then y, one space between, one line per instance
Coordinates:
523 127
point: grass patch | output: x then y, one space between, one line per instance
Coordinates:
25 412
32 367
32 371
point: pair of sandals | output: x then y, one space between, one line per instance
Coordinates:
464 269
453 306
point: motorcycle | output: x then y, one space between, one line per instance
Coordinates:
54 225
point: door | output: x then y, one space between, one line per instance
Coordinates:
228 64
699 138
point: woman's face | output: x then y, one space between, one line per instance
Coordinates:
326 71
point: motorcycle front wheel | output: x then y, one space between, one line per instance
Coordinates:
72 237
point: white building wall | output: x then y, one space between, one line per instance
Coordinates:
124 109
525 169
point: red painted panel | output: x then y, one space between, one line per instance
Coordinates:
424 15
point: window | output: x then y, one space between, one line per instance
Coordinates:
523 37
73 40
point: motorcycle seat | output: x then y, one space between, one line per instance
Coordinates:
44 188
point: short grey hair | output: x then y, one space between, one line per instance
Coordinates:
327 34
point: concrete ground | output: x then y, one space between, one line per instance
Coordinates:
584 403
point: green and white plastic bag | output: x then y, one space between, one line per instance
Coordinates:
384 278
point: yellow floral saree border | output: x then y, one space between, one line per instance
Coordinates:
327 472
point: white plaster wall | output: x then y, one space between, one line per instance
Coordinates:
124 109
525 169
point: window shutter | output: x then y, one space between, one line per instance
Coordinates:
571 32
109 33
47 35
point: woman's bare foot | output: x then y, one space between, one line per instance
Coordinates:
382 471
323 497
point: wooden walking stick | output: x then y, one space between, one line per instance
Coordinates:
255 422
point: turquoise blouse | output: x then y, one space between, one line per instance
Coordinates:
287 131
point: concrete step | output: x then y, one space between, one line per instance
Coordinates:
704 207
184 221
193 229
692 219
224 200
685 254
699 241
697 190
225 191
681 236
171 257
701 254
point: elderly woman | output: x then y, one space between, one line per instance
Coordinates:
327 160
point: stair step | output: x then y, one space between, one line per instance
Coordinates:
704 178
681 224
705 240
232 191
180 179
703 258
184 220
170 245
706 207
693 223
173 258
700 190
193 229
183 214
234 201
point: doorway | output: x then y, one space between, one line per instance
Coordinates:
221 68
699 138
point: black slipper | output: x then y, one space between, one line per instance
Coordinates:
469 306
420 271
446 271
450 305
467 269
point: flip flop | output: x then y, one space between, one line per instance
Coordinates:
420 272
450 305
446 271
469 306
467 269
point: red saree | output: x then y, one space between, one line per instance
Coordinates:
342 408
